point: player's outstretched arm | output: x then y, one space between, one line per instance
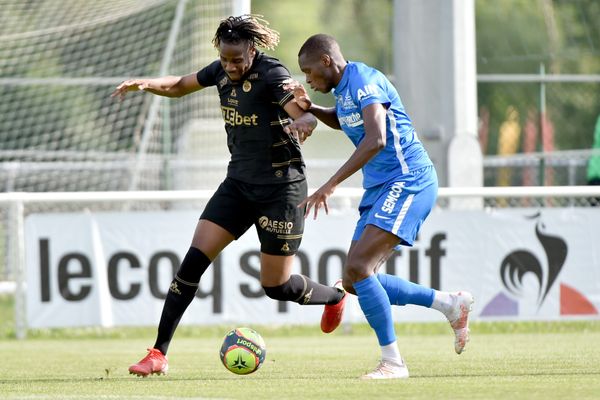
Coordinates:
168 86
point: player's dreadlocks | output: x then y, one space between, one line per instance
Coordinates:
247 27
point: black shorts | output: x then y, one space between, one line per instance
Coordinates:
273 209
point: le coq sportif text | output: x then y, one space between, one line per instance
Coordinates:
72 273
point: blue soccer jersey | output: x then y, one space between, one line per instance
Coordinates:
360 86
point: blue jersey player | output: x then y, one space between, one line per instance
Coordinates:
400 185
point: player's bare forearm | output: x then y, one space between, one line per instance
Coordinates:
374 140
366 150
363 153
168 86
327 115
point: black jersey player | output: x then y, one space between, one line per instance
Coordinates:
265 179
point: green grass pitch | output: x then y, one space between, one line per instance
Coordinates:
534 360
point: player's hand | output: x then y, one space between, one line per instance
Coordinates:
131 85
300 94
300 129
317 200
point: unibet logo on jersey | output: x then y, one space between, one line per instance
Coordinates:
234 118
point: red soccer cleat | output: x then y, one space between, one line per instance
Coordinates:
154 363
332 314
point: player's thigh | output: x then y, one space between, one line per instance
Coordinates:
211 238
227 216
275 270
367 253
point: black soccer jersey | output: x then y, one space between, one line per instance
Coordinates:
261 152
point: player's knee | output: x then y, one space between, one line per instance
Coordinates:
347 285
353 273
192 267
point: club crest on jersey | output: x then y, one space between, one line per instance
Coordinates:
367 91
246 86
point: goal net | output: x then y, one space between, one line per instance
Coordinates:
59 128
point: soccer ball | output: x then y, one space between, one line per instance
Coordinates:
243 351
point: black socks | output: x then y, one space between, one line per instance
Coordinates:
299 289
302 290
180 295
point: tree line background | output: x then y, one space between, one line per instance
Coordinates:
512 37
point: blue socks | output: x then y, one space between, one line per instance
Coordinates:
376 295
375 304
402 292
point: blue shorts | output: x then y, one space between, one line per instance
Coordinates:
399 206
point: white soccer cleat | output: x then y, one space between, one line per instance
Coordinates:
459 319
388 370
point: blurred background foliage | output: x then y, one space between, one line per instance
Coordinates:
534 37
512 37
362 28
515 36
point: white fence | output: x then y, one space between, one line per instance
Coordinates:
480 216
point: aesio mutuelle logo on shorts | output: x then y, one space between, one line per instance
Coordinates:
274 226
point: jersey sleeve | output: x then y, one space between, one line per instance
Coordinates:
207 76
370 89
277 76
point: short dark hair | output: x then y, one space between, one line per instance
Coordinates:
319 44
247 27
